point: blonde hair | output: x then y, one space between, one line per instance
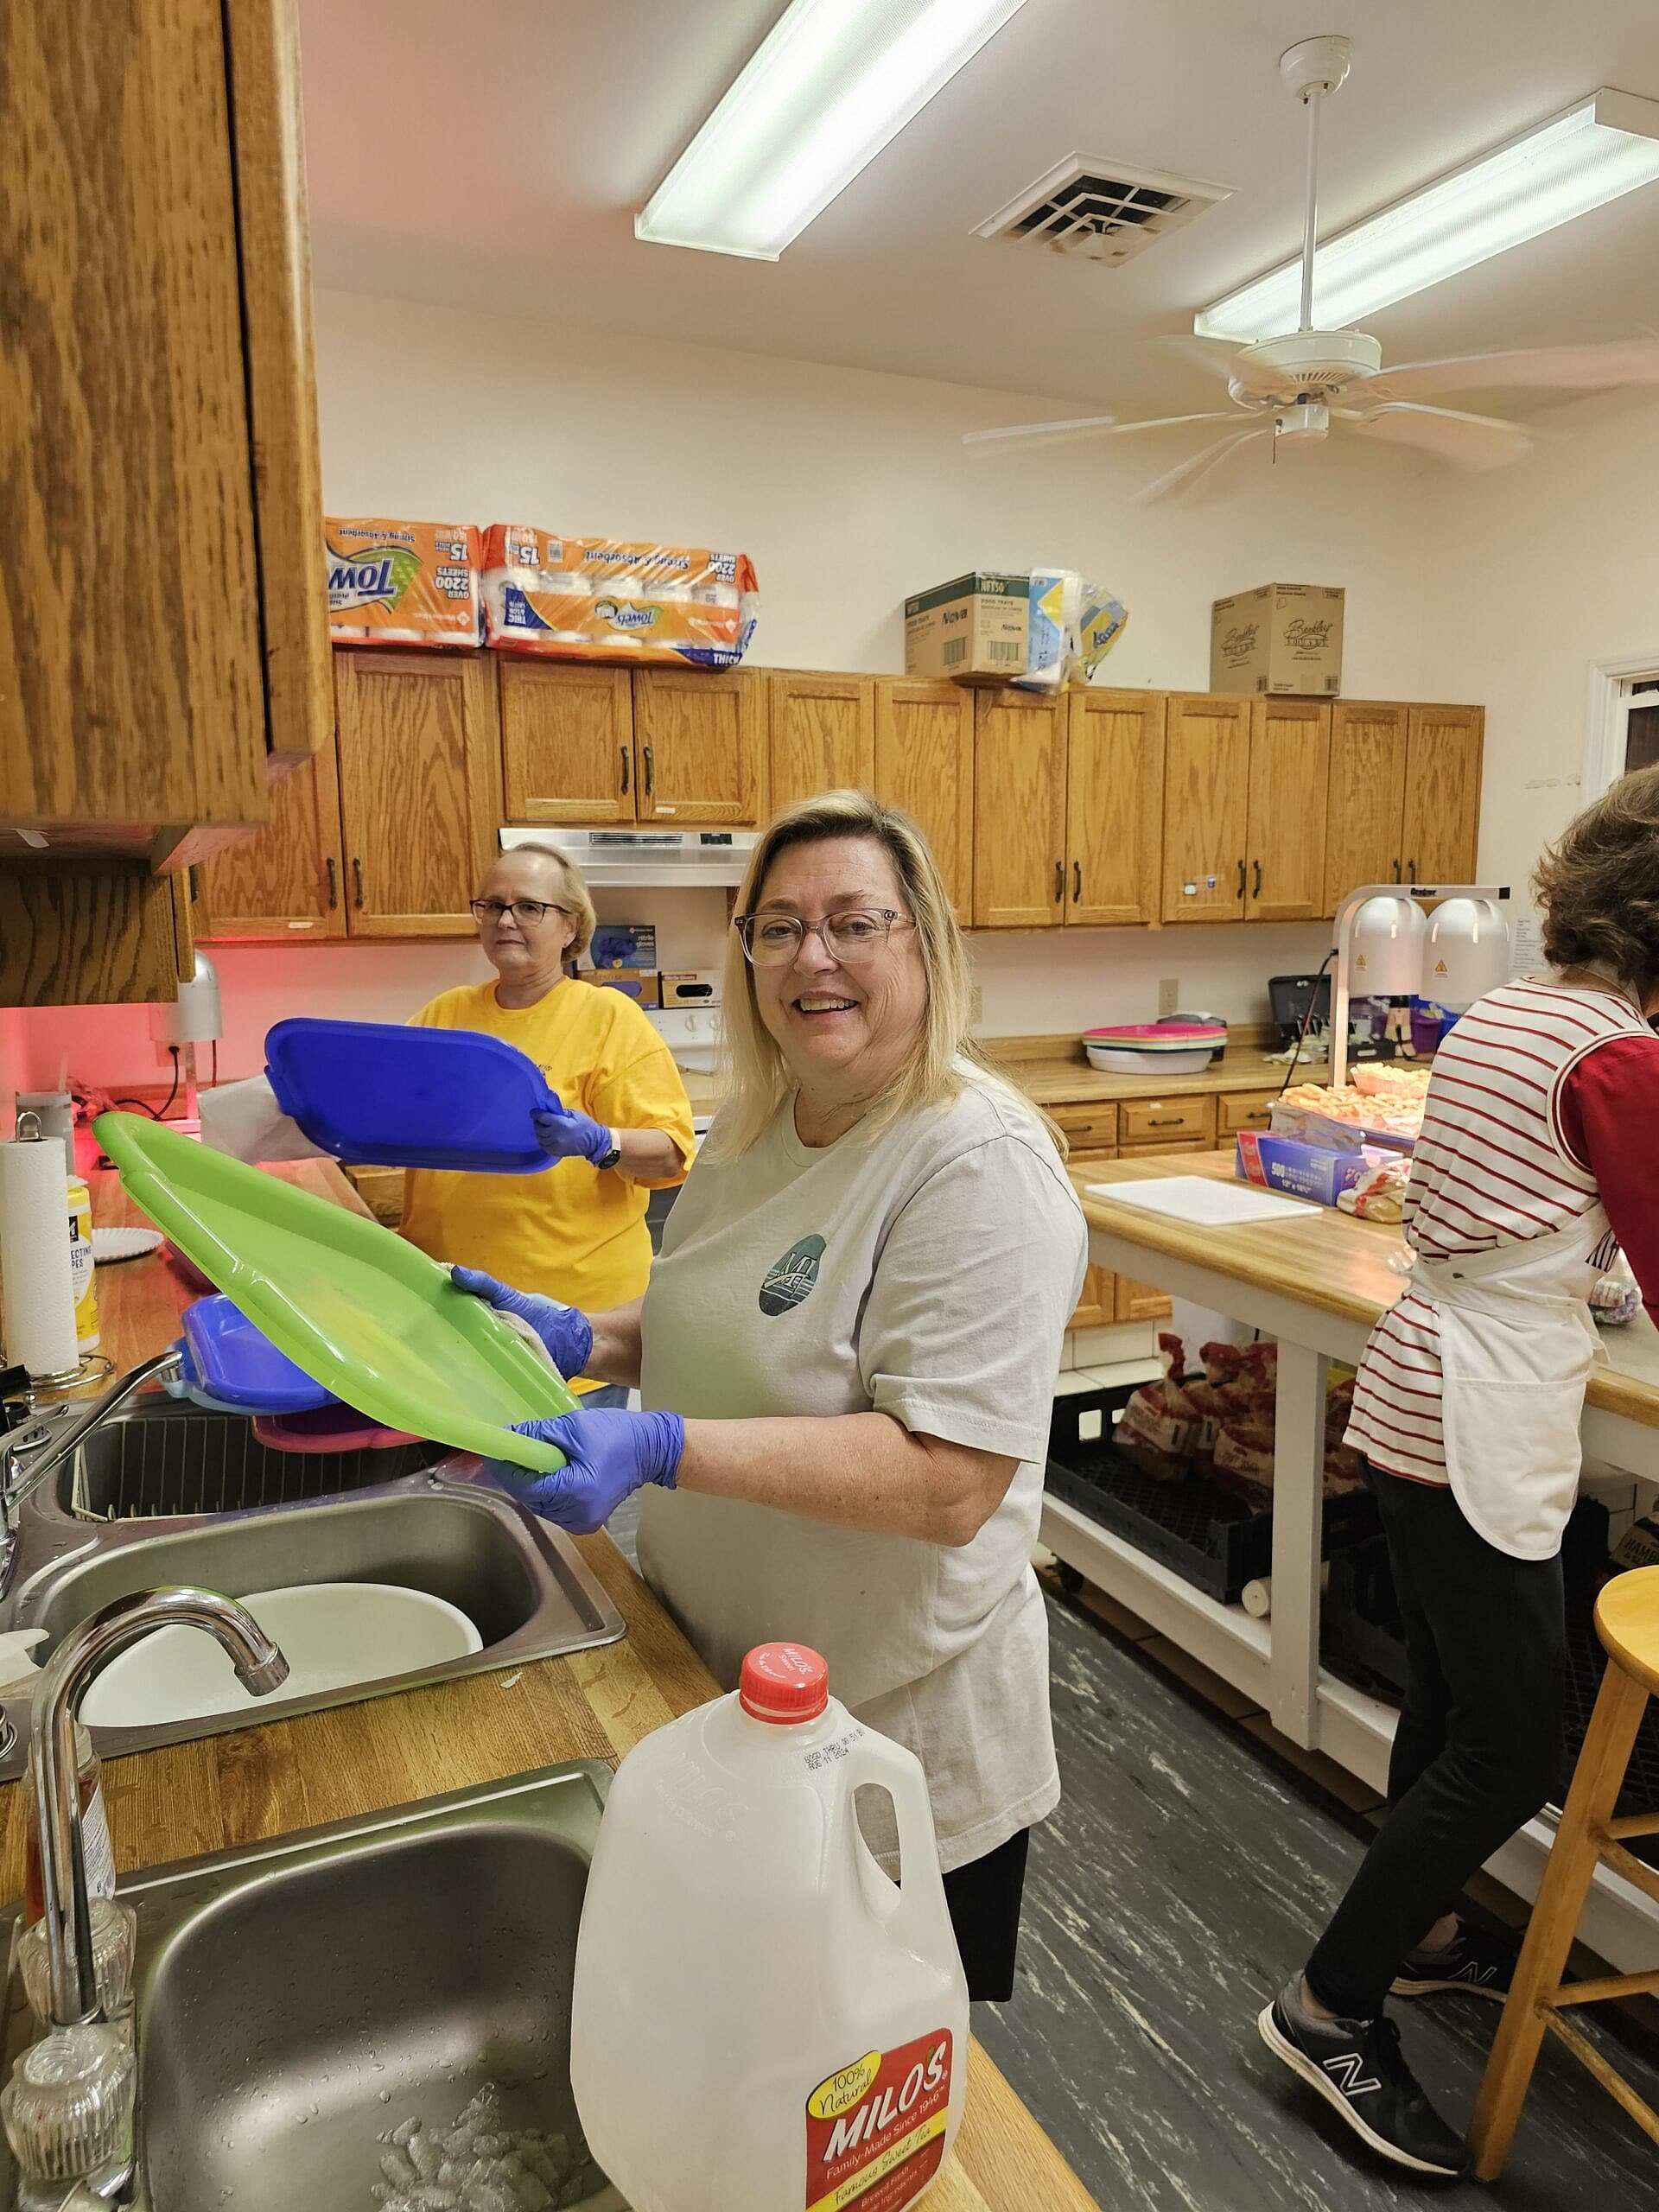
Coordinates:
576 900
757 1079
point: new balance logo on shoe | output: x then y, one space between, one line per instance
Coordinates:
1347 2069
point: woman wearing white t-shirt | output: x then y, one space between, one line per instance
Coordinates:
856 1319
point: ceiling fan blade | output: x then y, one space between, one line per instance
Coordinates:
1539 368
1071 429
1466 441
1188 474
1215 356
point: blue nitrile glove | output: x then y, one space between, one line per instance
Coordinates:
569 1134
564 1329
609 1454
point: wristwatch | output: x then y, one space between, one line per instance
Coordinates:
609 1159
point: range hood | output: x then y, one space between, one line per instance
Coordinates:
659 860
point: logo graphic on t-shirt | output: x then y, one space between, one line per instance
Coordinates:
789 1280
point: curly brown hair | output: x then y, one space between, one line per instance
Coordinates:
1598 886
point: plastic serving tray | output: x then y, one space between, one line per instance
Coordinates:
359 1309
393 1097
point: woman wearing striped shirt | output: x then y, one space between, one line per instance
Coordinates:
1535 1164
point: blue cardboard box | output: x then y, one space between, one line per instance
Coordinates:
624 944
1301 1171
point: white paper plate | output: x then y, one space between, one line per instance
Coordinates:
1196 1199
112 1244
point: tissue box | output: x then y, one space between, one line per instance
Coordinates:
977 628
1279 637
1301 1171
624 944
639 984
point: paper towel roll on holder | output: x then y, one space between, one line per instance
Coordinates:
92 1366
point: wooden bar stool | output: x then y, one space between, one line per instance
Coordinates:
1627 1621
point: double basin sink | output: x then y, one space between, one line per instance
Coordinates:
316 2014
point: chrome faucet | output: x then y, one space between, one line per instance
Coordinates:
260 1669
31 1453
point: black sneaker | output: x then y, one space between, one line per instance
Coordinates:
1359 2069
1478 1960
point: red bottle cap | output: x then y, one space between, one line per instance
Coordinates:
784 1683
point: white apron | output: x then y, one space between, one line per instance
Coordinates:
1517 1344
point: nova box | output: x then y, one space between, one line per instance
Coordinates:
975 628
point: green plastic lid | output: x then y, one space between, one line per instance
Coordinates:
360 1309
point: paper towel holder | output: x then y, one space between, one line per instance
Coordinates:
91 1366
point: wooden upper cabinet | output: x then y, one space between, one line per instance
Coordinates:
1206 807
567 741
1114 806
1366 789
1440 824
287 881
1290 769
820 734
165 604
924 764
1019 810
418 787
697 747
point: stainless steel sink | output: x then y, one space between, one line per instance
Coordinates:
196 1500
300 2000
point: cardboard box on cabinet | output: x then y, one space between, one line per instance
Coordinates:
1280 639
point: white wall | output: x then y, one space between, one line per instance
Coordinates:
1540 569
849 490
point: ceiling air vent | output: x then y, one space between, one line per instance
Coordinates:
1101 211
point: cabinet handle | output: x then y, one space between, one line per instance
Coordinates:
651 774
1256 889
1059 881
357 878
1411 871
1241 879
1076 881
334 883
1397 871
622 752
190 878
1164 1121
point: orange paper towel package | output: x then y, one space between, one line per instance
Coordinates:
600 598
403 583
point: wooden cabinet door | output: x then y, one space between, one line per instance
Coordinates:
820 734
419 745
1290 771
1019 810
567 741
1366 794
1206 807
288 882
697 738
1141 1301
1096 1306
1114 806
925 763
1441 837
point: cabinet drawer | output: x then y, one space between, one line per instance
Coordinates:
1243 1110
1166 1120
1088 1129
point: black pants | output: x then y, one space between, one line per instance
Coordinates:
984 1899
1479 1747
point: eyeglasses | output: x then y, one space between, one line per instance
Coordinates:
773 940
525 911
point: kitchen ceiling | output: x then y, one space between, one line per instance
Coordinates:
491 158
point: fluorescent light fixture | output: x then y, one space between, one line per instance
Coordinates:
831 84
1606 144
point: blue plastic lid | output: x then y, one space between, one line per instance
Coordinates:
380 1093
237 1365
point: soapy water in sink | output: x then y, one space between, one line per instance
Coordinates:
480 2165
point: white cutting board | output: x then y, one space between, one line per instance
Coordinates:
1197 1199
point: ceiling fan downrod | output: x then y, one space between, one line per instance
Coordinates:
1313 69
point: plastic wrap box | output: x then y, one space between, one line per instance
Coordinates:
1301 1171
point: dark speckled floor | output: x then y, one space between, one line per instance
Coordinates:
1185 1872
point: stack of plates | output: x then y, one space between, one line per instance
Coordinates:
1160 1047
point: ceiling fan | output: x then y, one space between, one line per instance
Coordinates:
1293 389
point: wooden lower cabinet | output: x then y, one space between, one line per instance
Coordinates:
1097 1308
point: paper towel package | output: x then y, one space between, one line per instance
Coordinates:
35 1259
603 599
402 583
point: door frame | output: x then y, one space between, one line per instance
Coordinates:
1606 713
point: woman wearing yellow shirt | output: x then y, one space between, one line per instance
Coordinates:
577 1232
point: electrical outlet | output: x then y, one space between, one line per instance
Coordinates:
975 1007
1169 994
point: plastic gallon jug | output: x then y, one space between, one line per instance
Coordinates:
762 2021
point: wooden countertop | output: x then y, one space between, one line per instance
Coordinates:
227 1790
1332 1262
1061 1081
